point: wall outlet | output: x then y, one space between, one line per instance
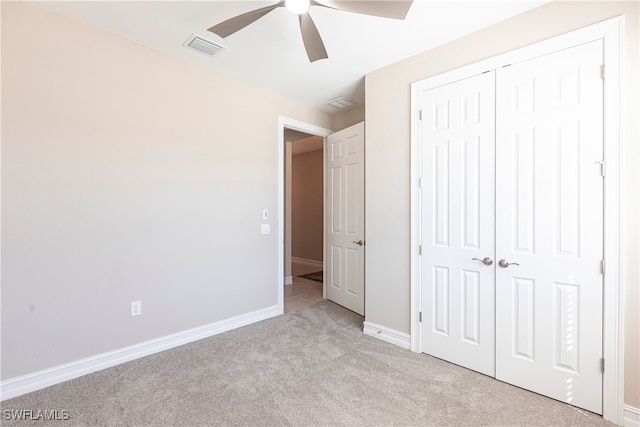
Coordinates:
136 308
265 214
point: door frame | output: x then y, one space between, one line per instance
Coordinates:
297 125
612 33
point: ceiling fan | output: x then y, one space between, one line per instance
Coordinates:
395 9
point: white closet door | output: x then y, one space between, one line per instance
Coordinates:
458 222
549 220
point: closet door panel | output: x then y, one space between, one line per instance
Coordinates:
549 225
458 169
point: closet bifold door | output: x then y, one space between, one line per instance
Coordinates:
458 236
549 225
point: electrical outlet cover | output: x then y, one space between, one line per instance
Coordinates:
136 308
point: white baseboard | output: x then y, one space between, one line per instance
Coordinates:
38 380
288 280
307 262
631 416
389 335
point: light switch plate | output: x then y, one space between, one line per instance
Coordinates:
265 228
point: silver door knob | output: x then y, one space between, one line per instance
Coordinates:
485 261
504 263
359 242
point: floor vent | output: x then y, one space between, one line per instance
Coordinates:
203 45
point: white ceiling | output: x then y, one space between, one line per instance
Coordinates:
269 53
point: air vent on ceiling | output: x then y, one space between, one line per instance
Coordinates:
203 45
341 103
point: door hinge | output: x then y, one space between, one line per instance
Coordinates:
602 266
419 249
420 182
420 317
420 115
602 365
602 72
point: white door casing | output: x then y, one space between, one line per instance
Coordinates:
344 229
458 222
549 220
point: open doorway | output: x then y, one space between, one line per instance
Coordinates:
304 220
300 212
342 209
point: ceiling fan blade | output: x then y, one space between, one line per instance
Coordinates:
395 9
311 38
231 25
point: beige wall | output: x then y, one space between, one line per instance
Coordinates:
307 203
288 274
388 157
127 175
348 118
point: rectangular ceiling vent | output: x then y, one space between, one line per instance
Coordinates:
341 103
203 45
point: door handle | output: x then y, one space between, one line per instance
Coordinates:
504 263
359 242
486 261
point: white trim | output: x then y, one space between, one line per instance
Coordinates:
288 280
612 33
614 232
38 380
307 262
325 215
285 122
415 265
631 416
388 335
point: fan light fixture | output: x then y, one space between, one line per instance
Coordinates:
297 6
395 9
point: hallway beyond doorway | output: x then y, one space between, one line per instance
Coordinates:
303 292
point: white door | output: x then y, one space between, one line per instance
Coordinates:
549 225
458 222
344 230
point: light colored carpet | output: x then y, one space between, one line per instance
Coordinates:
309 367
